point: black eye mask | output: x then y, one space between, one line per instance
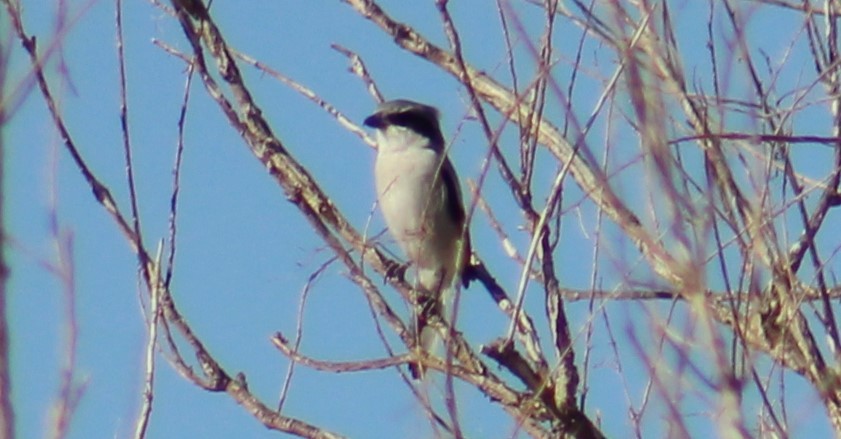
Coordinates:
419 123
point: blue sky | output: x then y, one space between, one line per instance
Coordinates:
245 253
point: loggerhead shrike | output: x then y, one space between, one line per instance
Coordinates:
420 198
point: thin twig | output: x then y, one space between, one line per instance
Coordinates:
282 344
299 330
151 346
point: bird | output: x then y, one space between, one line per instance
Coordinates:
419 195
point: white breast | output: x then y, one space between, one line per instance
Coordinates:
414 208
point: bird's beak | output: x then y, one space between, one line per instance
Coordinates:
374 121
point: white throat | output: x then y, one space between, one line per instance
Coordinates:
395 138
